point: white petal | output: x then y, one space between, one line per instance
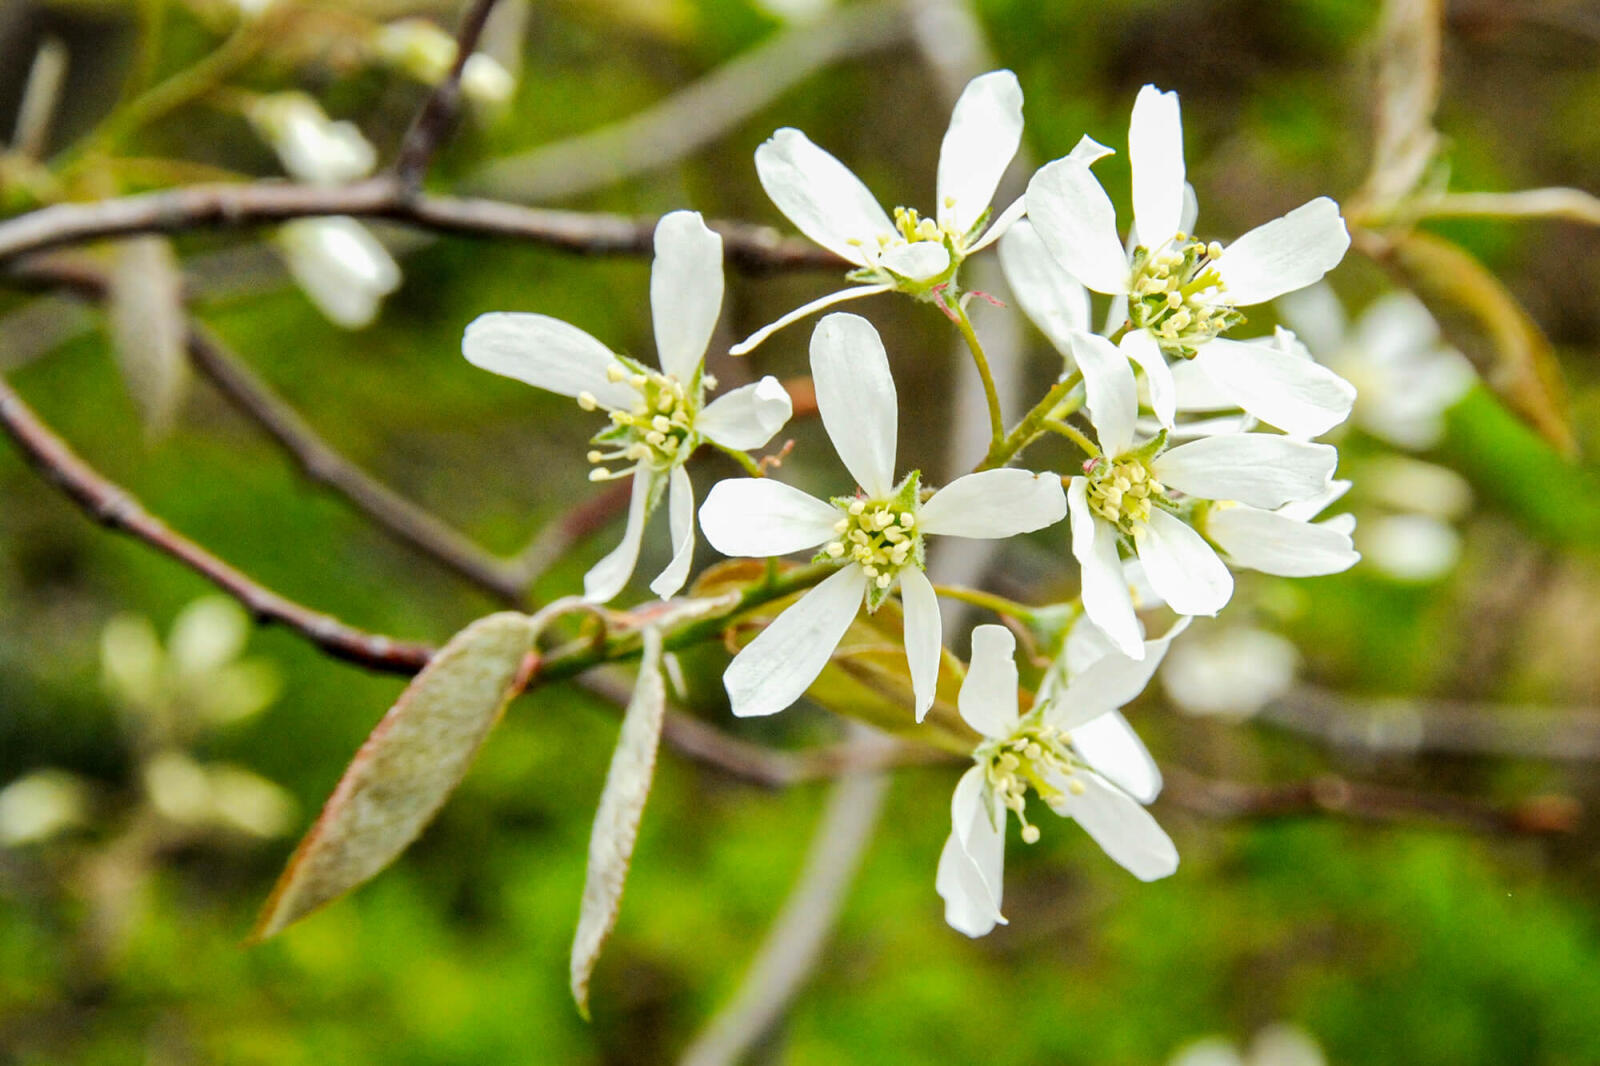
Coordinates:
988 698
680 516
1110 392
1182 566
685 291
1111 748
1050 297
1261 469
1111 681
1307 509
1191 210
1196 391
1296 395
757 517
1396 328
747 417
1155 152
995 503
1089 151
985 129
778 666
1143 350
607 577
341 266
820 195
856 398
1106 599
1316 314
918 261
855 292
1286 254
547 353
1122 828
1077 223
972 864
1270 542
923 636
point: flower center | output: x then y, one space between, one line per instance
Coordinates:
658 430
1122 491
910 228
879 535
1178 295
1036 756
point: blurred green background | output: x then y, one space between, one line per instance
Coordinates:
1389 943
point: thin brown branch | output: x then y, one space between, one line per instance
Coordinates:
433 122
117 509
391 511
750 248
1332 795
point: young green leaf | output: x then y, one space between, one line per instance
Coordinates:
406 770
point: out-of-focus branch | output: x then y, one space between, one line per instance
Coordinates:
694 116
1570 205
795 941
1329 794
439 110
746 247
1414 727
114 507
392 512
1404 142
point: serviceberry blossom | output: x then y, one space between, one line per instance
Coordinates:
1182 293
658 417
1406 376
1068 750
875 535
1285 541
912 253
1143 495
336 261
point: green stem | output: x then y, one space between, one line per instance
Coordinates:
751 467
987 600
1074 434
181 88
1056 403
997 422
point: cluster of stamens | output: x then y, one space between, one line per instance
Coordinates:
658 430
1036 756
1178 295
880 537
1122 491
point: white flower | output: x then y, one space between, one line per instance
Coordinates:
312 147
425 52
1072 749
1135 493
912 253
875 536
40 805
341 267
658 417
1406 377
1231 670
1276 1045
1181 293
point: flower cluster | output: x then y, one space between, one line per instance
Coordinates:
1195 452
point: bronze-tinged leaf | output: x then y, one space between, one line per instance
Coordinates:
406 770
616 822
1478 315
149 330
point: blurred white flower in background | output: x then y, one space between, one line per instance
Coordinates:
1228 670
336 261
1406 377
1280 1044
423 51
1415 539
41 805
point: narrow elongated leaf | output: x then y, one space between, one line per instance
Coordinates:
1479 316
148 329
616 823
407 768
